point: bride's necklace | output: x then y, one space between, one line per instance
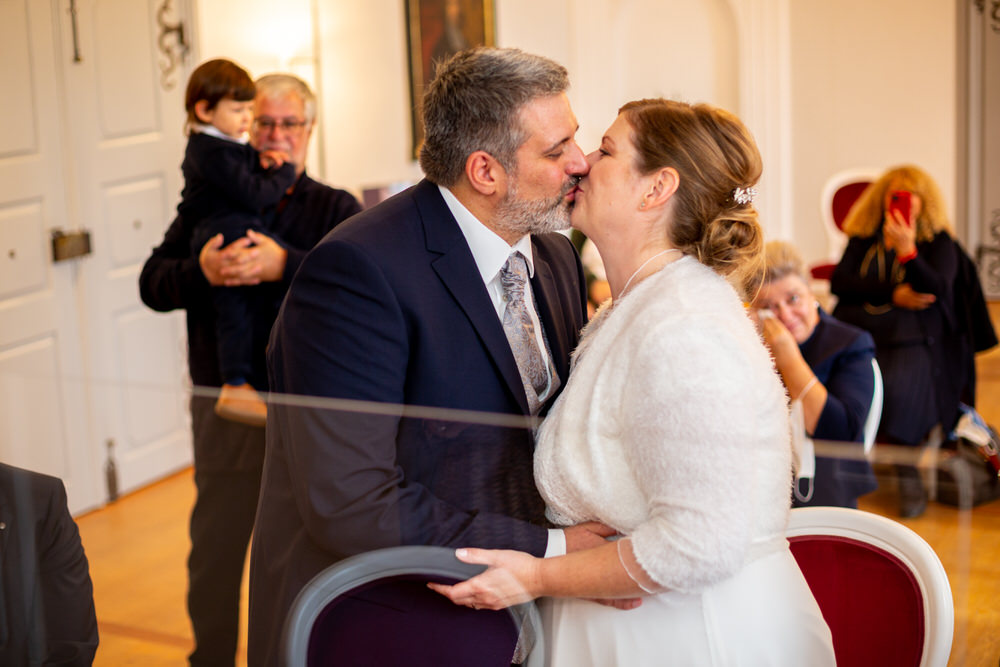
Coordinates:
641 267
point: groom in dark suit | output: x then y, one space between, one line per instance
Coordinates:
403 305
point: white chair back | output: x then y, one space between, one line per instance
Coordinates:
428 562
895 539
875 411
836 239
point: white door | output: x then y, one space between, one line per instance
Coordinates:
108 145
43 393
128 142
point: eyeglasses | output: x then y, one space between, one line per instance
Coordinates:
287 125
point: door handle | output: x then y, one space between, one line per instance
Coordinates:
70 245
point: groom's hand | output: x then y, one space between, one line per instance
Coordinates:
587 535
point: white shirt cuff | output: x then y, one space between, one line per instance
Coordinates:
557 543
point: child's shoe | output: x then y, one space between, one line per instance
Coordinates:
241 404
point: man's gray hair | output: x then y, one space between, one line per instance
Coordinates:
280 86
474 103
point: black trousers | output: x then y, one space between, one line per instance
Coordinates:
228 461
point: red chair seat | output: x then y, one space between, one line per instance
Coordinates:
822 271
880 621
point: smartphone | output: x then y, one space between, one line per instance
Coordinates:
901 200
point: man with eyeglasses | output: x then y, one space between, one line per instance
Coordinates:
229 456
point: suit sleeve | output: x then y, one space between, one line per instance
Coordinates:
849 393
344 206
66 588
171 278
934 268
342 334
850 286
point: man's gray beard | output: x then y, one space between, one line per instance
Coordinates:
533 216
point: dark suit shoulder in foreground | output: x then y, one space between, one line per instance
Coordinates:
46 596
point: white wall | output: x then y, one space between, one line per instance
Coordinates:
873 85
620 50
261 36
365 107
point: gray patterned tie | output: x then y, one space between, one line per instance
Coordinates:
520 330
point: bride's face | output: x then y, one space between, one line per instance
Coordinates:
611 193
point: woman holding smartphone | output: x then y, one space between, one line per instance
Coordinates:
905 279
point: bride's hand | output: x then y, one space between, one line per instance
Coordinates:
512 577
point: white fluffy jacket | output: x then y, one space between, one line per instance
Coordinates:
673 429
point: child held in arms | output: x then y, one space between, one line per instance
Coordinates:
227 184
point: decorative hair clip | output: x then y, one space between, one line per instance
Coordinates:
744 196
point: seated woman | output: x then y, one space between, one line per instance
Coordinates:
904 279
673 426
826 366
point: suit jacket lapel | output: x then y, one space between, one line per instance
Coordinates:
457 269
550 311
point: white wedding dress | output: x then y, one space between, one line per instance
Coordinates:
673 429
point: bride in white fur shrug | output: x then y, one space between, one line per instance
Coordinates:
673 427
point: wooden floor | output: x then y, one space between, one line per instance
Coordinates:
137 549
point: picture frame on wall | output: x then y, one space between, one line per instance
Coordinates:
437 29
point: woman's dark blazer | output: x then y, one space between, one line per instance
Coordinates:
841 357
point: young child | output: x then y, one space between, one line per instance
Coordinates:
226 185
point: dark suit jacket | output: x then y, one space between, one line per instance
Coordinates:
46 596
390 308
841 357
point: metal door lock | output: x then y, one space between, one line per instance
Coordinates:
70 245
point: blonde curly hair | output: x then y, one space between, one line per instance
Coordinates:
866 216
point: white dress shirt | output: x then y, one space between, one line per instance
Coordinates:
213 131
490 253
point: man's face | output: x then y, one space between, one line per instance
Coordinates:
542 185
280 124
